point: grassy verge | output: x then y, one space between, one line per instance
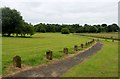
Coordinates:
102 64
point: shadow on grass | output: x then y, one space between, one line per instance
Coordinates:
17 36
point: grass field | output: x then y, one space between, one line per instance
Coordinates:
32 50
107 35
102 64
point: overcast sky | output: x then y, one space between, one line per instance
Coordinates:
66 11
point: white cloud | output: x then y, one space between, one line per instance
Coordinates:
66 11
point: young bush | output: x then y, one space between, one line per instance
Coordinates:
65 31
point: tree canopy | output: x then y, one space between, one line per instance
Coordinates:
65 31
13 23
76 28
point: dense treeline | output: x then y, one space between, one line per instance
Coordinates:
13 23
76 28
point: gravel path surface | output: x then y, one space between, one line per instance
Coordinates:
59 68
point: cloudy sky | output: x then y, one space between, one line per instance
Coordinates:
66 11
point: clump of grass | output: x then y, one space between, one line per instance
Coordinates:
58 55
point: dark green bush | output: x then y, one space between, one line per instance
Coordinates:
65 31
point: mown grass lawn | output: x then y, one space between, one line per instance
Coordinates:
32 50
102 64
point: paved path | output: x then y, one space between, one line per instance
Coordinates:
59 68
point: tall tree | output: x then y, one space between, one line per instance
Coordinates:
93 29
104 28
11 20
113 28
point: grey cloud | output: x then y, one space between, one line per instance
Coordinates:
67 11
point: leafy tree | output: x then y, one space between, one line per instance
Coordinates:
11 20
86 28
19 29
104 28
43 30
65 31
27 29
57 28
115 27
76 28
72 30
80 30
93 29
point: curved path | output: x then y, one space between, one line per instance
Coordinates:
58 68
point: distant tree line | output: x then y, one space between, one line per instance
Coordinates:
13 23
76 28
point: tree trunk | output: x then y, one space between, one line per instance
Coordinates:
9 34
16 34
24 35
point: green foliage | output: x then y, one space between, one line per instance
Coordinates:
80 30
65 31
47 28
93 29
72 30
76 28
12 23
43 30
27 29
113 28
11 19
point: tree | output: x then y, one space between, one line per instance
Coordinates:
72 30
104 28
43 30
93 29
27 29
76 28
80 30
65 31
86 28
115 27
19 29
31 30
11 20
